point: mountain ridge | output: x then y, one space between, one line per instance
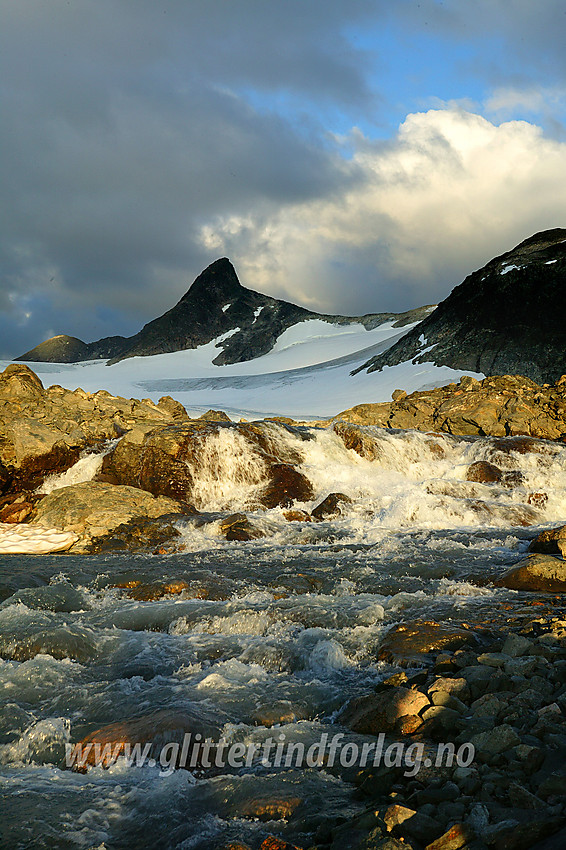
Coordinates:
216 305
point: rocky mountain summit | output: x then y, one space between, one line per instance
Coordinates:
217 305
506 318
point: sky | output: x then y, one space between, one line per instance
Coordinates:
352 157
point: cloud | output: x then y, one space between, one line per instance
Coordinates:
143 139
443 197
126 126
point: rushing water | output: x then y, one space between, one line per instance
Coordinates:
292 620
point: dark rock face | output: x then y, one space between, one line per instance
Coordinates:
215 305
506 318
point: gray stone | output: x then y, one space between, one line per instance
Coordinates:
496 740
516 645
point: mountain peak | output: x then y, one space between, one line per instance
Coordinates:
217 283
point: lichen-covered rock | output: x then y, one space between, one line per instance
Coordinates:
43 431
94 510
505 406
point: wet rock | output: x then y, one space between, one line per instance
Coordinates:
59 642
374 713
280 711
484 472
537 500
139 534
270 808
360 441
152 592
535 573
329 508
238 527
94 510
547 542
158 728
287 485
416 640
297 516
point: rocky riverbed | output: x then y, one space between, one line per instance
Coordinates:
255 579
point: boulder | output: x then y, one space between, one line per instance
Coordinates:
270 808
44 431
510 407
297 516
158 728
238 527
536 573
330 506
548 541
287 485
484 472
215 416
18 382
174 407
381 712
414 641
141 534
94 510
166 460
358 440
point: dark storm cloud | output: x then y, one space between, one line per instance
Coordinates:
126 128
